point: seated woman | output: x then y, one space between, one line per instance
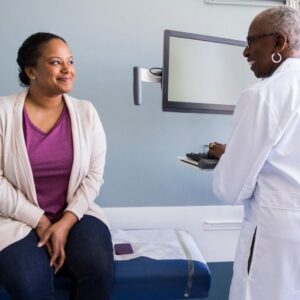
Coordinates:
52 156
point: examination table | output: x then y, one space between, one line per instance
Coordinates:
165 265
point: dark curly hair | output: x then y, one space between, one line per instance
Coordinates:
30 51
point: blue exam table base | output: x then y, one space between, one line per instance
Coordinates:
148 279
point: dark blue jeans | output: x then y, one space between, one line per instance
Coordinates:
26 274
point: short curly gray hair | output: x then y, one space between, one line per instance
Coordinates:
283 19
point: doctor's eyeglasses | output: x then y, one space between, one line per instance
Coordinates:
253 38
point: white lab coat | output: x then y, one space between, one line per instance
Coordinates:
261 170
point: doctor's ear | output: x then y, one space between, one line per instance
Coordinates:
281 42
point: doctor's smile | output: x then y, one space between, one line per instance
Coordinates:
252 170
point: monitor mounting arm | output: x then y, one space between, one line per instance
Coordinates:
146 75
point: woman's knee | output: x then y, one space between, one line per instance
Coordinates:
95 264
36 289
25 271
90 239
89 252
30 284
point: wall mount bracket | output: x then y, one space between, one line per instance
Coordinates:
144 75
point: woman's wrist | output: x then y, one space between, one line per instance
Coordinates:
68 220
44 221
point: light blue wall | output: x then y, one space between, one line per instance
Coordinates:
108 38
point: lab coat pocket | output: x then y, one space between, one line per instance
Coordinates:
251 254
275 265
244 249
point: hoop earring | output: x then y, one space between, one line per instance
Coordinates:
278 60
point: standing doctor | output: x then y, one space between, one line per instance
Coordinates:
261 165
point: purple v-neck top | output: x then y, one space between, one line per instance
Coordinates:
51 158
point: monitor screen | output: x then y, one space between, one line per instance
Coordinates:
203 73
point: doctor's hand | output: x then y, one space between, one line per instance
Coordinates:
216 150
56 235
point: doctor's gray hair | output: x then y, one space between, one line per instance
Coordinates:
286 20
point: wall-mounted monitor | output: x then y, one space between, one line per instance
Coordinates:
203 74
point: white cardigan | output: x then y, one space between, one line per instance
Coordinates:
19 209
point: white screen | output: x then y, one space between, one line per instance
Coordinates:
206 72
